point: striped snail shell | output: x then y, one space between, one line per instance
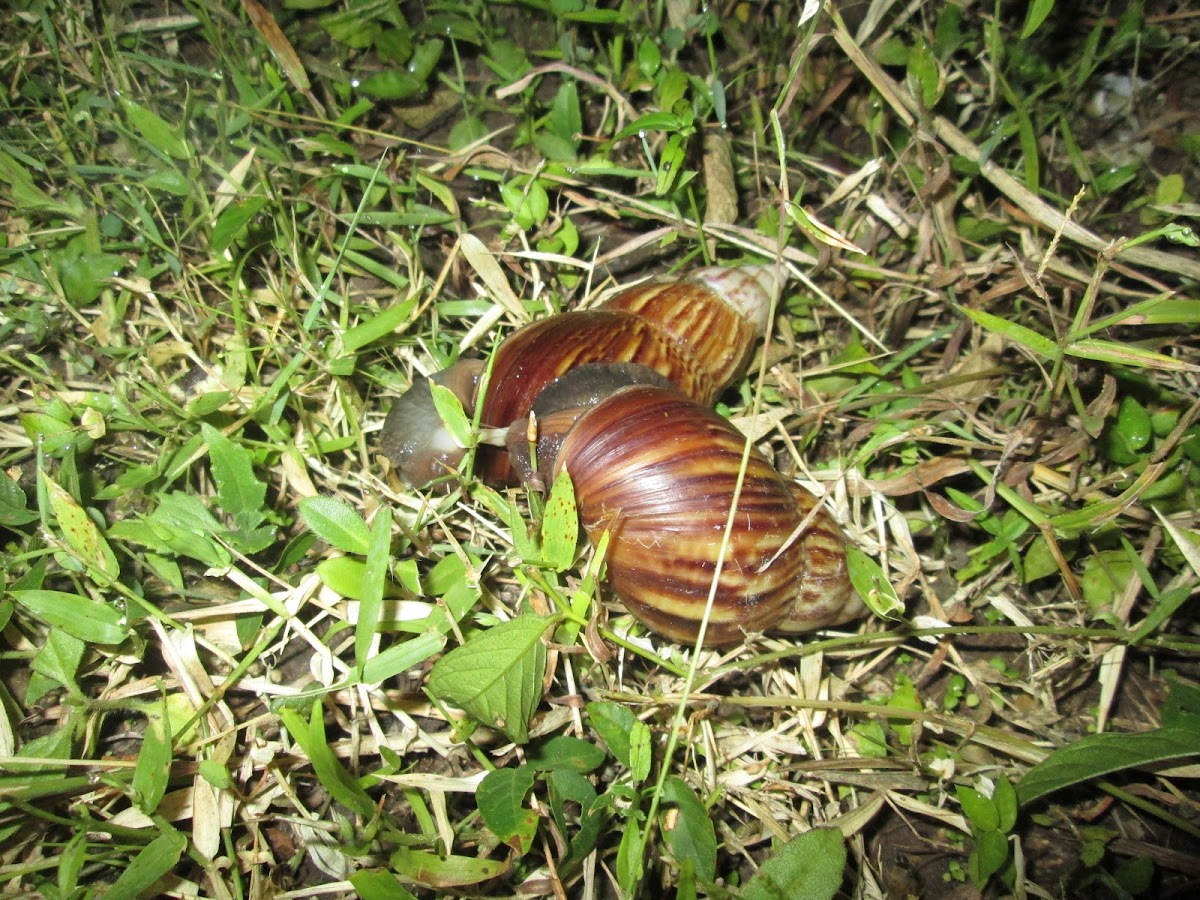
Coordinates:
698 332
620 399
657 472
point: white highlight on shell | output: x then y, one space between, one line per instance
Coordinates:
751 290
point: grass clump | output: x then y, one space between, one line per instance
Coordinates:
241 659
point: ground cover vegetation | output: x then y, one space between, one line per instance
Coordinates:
241 659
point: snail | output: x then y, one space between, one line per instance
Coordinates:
620 398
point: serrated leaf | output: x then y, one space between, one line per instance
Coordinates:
560 524
809 867
1101 754
496 676
688 830
88 620
82 534
336 523
239 492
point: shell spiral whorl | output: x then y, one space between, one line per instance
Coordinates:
622 396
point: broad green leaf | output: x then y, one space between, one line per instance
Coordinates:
436 871
329 770
74 855
655 121
159 134
980 811
216 775
154 861
560 524
402 656
59 658
527 200
13 512
1101 754
378 884
457 587
336 523
85 276
53 434
1005 798
343 574
501 800
809 867
239 492
631 857
184 525
613 722
989 857
153 765
1182 706
565 752
88 620
82 534
924 75
392 84
641 751
670 163
1105 578
872 585
497 675
450 411
233 222
688 830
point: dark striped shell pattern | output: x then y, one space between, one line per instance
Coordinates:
652 464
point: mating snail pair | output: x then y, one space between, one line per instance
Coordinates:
620 398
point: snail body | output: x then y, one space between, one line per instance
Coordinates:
620 398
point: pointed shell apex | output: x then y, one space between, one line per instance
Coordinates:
751 290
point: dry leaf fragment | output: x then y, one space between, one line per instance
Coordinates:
719 184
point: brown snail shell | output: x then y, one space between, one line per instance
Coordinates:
621 397
657 472
698 332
